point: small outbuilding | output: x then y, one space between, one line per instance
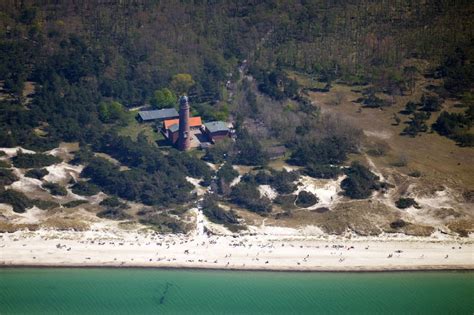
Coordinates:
159 114
216 130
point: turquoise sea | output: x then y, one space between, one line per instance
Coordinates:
158 291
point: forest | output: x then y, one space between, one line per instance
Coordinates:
88 63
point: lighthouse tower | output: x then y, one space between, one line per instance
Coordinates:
184 134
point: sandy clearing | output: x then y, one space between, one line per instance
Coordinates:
11 152
326 190
63 172
267 191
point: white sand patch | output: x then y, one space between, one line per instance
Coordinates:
11 152
273 230
30 216
326 190
312 230
198 189
235 181
26 184
63 172
290 168
267 191
440 199
378 134
214 167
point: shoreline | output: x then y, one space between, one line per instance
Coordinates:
260 252
392 269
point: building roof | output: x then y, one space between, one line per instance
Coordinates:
276 151
216 126
193 122
161 114
173 128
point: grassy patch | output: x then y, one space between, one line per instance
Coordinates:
134 128
74 203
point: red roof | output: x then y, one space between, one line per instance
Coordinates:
193 122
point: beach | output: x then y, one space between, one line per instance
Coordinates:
255 251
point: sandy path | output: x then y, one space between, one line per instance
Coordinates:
263 252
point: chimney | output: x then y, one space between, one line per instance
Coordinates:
184 134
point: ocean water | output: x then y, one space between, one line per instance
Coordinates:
158 291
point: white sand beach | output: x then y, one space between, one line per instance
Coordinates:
296 252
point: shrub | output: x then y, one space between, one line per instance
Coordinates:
113 202
248 196
360 182
399 223
378 149
227 173
45 204
322 171
55 189
415 173
75 203
285 201
283 181
16 199
306 199
26 160
163 223
430 103
216 214
37 173
85 189
113 214
7 177
404 203
401 161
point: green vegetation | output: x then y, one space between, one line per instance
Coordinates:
163 223
110 112
456 126
37 173
75 203
397 224
55 189
247 195
216 214
7 177
417 124
306 199
164 98
16 199
360 182
85 189
113 202
403 203
224 177
322 171
20 202
5 164
26 160
90 65
114 214
114 209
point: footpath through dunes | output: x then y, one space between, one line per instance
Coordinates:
288 251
